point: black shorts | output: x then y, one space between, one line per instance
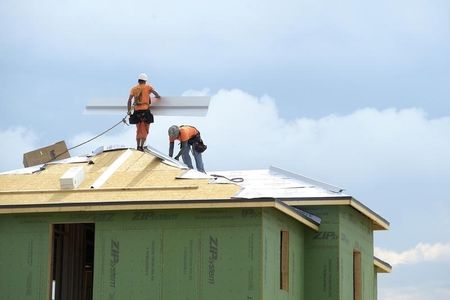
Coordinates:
141 116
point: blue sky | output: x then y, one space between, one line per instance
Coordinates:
353 93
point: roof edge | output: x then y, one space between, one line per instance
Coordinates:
376 218
290 211
379 222
381 266
156 204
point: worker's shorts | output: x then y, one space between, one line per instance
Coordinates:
141 116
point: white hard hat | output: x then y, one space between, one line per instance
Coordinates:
143 76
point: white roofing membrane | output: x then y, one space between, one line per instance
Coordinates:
277 183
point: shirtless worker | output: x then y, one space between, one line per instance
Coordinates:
141 116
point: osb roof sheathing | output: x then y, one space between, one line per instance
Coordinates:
143 181
141 177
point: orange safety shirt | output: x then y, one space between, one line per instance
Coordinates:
141 94
186 133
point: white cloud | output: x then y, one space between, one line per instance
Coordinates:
245 131
422 252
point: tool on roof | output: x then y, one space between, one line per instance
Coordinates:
233 179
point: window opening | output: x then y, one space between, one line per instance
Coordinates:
357 293
284 260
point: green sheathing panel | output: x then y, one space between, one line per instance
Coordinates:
322 256
205 254
234 273
273 223
375 284
329 254
355 234
24 248
127 262
172 254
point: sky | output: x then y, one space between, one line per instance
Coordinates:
353 93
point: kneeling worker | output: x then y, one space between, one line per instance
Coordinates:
187 135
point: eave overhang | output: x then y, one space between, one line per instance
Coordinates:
378 222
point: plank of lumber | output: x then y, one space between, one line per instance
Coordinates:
165 106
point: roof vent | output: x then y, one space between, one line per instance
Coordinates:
72 178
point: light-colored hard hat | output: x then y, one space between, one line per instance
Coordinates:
143 76
174 131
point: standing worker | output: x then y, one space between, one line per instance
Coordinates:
188 136
141 116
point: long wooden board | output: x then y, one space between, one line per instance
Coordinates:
165 106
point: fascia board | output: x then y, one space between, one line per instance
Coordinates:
155 205
381 266
290 212
378 222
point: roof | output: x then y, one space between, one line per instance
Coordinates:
138 176
378 222
381 266
117 178
125 179
296 190
277 183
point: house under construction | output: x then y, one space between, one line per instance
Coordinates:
125 224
